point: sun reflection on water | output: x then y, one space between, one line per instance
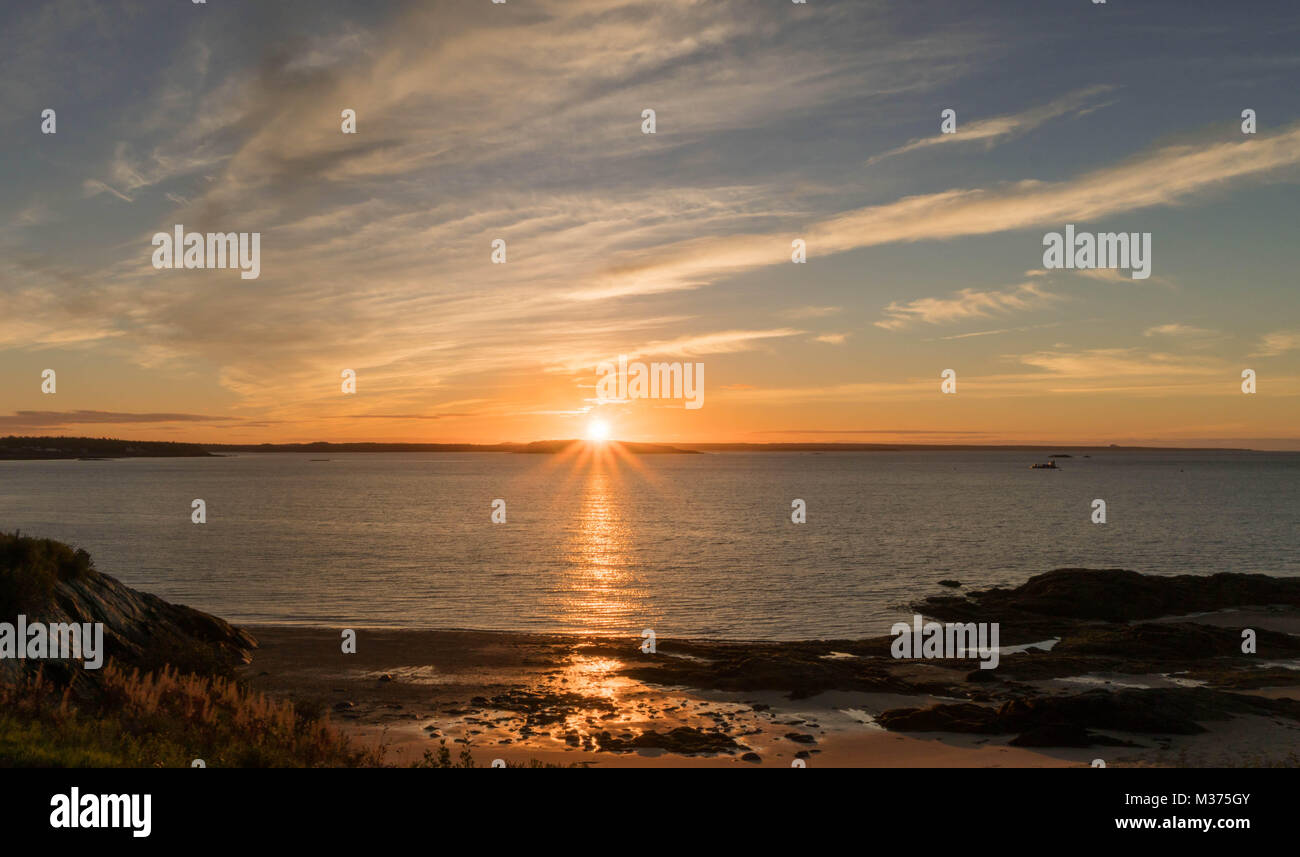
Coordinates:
601 595
598 592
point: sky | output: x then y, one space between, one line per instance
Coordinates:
774 122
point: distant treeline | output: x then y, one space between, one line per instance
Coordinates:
103 447
540 446
553 446
13 447
322 446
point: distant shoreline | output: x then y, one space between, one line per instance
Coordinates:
552 446
14 448
56 448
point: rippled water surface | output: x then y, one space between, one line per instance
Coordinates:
689 545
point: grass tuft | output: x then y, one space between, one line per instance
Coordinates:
30 568
164 719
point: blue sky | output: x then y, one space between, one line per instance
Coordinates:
775 121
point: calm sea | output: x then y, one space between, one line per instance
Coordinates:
689 545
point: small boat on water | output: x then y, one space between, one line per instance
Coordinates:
1051 465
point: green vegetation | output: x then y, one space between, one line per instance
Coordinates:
30 568
14 447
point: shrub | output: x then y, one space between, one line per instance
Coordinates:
30 568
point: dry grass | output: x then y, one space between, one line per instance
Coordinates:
165 719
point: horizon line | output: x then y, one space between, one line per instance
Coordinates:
716 445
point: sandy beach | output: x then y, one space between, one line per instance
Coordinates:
584 700
558 693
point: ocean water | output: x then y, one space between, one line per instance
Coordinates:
688 545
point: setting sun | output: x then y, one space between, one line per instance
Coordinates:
524 391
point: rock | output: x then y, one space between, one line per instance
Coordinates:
800 738
684 739
1161 711
141 631
950 582
797 668
1061 735
959 717
1175 641
386 677
751 757
1116 595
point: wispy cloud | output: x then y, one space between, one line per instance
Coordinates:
990 132
1277 343
1176 329
1166 176
718 342
1002 330
477 121
94 187
1123 371
965 304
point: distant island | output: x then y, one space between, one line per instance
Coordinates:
14 448
539 446
554 446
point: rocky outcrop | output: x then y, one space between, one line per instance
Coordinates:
1115 595
1099 619
140 631
1164 711
1096 620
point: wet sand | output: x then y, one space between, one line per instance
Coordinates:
568 700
